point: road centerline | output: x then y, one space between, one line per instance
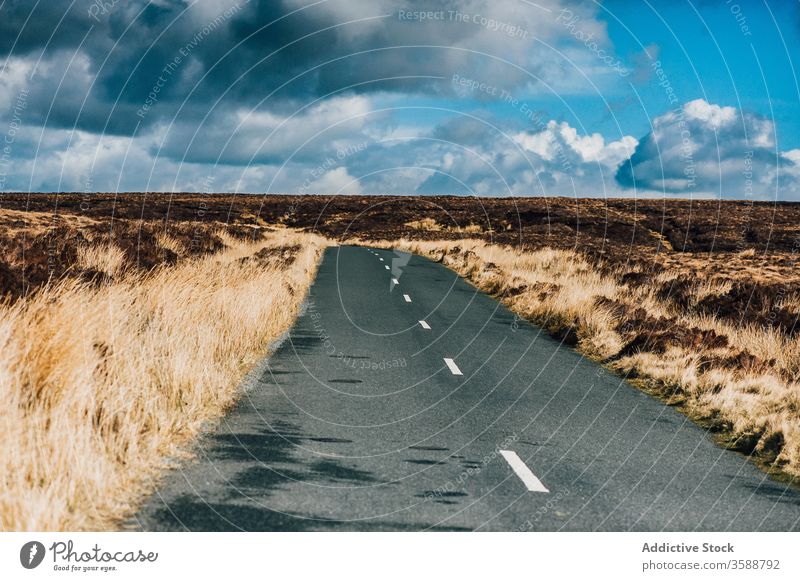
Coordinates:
452 366
525 474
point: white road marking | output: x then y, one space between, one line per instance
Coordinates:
386 266
407 298
425 325
395 281
453 367
520 469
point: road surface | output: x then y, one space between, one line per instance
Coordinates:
405 399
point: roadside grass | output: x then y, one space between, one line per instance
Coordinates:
738 378
104 381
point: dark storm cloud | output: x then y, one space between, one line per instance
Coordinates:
101 61
27 27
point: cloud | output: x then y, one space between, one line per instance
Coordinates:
336 181
93 65
469 156
299 94
336 146
246 137
711 150
560 139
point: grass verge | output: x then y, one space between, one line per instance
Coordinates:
103 382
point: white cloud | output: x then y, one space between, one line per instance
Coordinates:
336 181
590 148
242 137
713 116
479 159
708 150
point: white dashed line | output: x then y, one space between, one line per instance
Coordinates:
386 266
425 325
452 366
395 281
407 298
520 469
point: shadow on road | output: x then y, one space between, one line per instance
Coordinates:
265 462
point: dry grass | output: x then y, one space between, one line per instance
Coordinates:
431 225
101 384
739 378
167 242
106 259
428 224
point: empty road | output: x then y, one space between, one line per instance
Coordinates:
405 399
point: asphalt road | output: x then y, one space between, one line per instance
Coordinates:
361 421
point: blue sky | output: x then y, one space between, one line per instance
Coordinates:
713 59
706 54
470 97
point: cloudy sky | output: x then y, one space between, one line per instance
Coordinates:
469 97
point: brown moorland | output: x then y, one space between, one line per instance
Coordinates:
695 301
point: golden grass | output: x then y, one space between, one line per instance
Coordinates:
791 302
428 224
431 225
102 384
756 410
31 224
170 243
470 229
107 258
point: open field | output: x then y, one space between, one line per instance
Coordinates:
130 319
